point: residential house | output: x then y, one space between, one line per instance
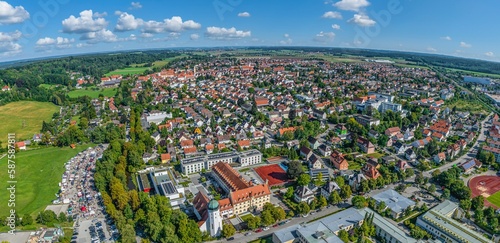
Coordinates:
313 142
470 165
439 157
305 152
328 188
392 131
304 194
315 162
370 170
365 145
165 158
410 154
243 144
325 150
338 161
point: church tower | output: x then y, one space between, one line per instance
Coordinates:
214 218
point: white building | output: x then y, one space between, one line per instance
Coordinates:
214 222
197 164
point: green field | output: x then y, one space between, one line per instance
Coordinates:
38 173
128 70
107 92
494 199
31 113
466 72
467 105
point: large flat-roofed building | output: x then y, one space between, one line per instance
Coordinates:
386 230
367 120
197 164
394 201
324 230
439 223
157 181
250 157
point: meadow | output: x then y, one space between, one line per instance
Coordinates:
24 118
38 173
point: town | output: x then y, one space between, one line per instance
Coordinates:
282 150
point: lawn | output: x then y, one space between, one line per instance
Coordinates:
375 155
128 70
354 165
107 92
24 118
38 173
494 199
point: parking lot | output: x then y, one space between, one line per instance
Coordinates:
94 231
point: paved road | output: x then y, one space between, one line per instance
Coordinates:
468 156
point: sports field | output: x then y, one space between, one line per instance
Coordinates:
107 92
494 199
38 173
24 118
273 173
488 187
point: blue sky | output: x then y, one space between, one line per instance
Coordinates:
465 28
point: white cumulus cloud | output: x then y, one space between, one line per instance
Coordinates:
135 5
324 37
9 48
52 41
332 15
8 44
335 26
128 22
175 24
103 35
489 54
47 43
447 38
84 23
244 14
194 37
351 5
12 15
362 20
12 36
219 33
465 45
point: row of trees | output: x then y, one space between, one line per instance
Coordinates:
131 209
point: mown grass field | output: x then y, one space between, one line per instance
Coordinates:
38 173
107 92
128 70
494 199
31 113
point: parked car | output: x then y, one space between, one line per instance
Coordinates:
248 233
258 230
